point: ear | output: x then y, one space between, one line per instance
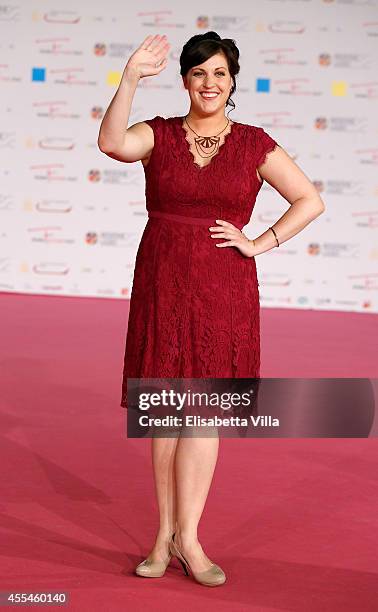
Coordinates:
185 82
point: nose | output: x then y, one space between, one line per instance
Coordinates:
207 83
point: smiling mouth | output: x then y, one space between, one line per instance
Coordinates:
208 96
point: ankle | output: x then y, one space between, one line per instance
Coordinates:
164 534
186 538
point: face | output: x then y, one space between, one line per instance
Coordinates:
212 77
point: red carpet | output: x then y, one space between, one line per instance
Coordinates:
292 522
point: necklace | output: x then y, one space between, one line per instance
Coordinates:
204 143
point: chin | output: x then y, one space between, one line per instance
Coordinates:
208 107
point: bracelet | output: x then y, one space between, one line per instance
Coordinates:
275 235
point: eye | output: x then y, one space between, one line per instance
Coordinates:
200 73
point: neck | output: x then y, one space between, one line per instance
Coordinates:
207 124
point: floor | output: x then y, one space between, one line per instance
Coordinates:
291 521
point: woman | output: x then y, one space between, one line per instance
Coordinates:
194 310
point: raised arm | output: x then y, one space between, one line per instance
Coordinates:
116 139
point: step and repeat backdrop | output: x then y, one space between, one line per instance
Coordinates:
71 218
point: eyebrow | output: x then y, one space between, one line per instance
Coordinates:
214 68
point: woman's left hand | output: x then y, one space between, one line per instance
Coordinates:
234 236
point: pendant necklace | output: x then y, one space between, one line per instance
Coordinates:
209 145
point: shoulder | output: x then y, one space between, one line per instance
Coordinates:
156 121
254 133
262 141
255 130
159 120
160 124
259 144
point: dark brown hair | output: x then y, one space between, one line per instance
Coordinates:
201 47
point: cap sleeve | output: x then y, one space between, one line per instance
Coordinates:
157 125
155 122
264 144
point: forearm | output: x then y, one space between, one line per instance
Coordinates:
115 121
296 218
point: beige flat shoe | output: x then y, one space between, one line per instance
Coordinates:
214 576
152 569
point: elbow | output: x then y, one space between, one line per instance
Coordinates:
317 212
100 141
317 205
102 146
104 143
321 208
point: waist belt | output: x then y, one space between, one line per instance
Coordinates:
208 222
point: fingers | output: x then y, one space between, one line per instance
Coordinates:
162 52
228 235
234 237
145 43
154 42
223 226
227 230
159 45
157 48
226 244
162 65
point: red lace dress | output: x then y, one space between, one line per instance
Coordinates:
194 307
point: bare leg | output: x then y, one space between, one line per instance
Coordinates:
195 464
163 455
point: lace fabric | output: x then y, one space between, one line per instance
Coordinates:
191 145
194 308
264 146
